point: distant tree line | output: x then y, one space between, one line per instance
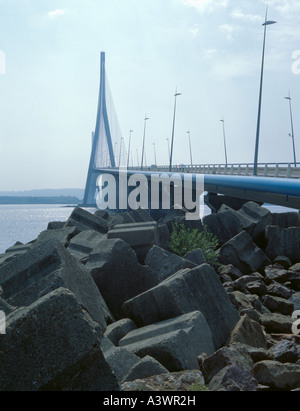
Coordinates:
39 200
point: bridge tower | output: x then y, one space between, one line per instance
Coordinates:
102 153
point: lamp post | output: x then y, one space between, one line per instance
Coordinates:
191 157
120 154
155 162
173 129
168 148
116 150
128 157
224 137
292 127
265 24
143 149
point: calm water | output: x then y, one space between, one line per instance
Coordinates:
25 222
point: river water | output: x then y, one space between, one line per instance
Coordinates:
25 222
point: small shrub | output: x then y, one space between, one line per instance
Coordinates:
185 239
198 387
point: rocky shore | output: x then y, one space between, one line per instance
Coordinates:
100 302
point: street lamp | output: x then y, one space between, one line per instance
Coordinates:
154 153
265 24
224 137
292 127
116 150
173 129
128 158
120 154
169 148
191 157
142 161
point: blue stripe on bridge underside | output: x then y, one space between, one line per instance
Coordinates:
278 191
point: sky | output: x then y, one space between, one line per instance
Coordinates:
209 50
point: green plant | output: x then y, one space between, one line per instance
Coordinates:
185 239
197 386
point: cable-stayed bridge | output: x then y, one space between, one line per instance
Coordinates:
274 183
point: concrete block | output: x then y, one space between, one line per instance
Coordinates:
283 242
120 360
119 329
63 235
241 252
140 236
174 343
285 220
84 220
55 347
146 367
44 268
5 307
84 243
165 263
56 225
196 256
254 220
224 225
134 216
174 217
118 274
197 289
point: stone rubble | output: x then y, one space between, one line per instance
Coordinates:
101 303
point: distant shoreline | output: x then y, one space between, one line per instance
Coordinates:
10 200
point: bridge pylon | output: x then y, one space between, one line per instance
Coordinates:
102 153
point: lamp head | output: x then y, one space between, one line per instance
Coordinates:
269 22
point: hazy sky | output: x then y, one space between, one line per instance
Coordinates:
210 49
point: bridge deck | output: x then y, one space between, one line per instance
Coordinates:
278 190
281 170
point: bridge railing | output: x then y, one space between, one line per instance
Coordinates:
283 170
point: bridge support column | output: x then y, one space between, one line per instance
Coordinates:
90 190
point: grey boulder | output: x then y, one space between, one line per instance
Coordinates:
277 375
233 378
